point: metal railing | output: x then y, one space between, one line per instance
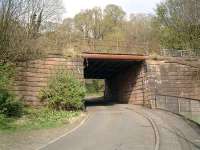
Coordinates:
128 47
112 46
188 107
180 53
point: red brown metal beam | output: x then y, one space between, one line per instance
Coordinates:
122 57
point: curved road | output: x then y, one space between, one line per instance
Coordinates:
126 127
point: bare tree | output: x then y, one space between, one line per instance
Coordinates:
20 23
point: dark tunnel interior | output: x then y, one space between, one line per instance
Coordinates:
120 73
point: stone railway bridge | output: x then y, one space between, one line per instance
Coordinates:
129 78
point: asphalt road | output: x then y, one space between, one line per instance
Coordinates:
121 127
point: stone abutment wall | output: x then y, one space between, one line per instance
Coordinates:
127 86
154 81
142 84
171 83
33 76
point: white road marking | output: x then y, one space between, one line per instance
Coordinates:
69 132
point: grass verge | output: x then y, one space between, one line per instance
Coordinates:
100 94
196 119
193 117
35 119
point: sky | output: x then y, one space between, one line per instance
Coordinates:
130 6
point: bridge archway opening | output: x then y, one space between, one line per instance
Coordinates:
122 74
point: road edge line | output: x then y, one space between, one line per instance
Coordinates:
154 126
67 133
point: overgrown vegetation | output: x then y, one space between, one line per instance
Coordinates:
6 75
64 92
20 28
95 87
175 25
36 119
178 25
21 24
107 30
9 105
30 28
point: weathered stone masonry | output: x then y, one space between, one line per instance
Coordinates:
140 84
128 85
144 83
33 76
169 80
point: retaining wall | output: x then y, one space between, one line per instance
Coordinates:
173 79
140 84
33 76
143 83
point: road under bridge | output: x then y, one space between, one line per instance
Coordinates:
122 74
168 83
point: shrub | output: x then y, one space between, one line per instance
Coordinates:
9 106
6 75
64 92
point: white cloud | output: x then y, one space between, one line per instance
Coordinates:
130 6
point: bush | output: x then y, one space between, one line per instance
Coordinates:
64 92
6 75
9 106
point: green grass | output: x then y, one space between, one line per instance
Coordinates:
97 94
196 119
35 119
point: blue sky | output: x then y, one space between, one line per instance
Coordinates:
130 6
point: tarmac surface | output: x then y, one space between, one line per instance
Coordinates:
128 127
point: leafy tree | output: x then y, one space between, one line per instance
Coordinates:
96 18
89 22
95 23
140 30
114 14
113 18
82 23
179 23
103 30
